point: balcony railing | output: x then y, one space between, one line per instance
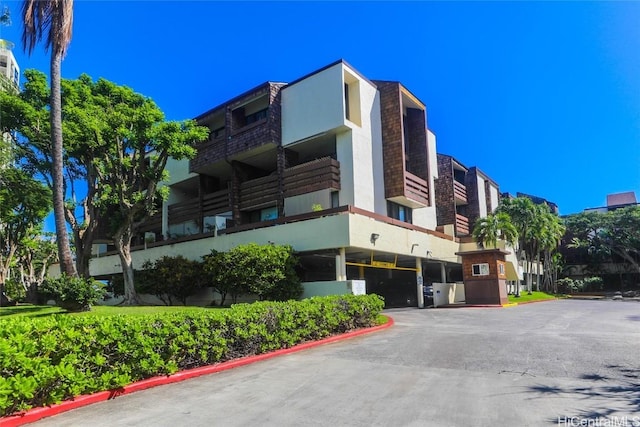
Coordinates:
462 225
259 191
153 223
416 188
459 192
196 209
312 176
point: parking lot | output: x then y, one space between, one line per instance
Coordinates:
552 363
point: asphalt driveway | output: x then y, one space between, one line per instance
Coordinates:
554 363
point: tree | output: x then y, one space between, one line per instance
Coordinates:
171 277
132 143
55 19
489 229
215 268
522 212
613 233
25 116
34 257
117 141
24 203
550 236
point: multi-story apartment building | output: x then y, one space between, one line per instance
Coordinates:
617 201
9 69
462 196
341 168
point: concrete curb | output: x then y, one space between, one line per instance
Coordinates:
36 414
535 301
511 304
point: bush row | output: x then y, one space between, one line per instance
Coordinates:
47 360
588 284
266 271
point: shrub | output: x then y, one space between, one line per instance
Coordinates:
14 290
170 277
265 270
46 360
214 266
588 284
73 293
592 284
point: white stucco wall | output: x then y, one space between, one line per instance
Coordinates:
316 105
482 200
304 202
178 171
337 231
493 192
313 105
360 155
426 217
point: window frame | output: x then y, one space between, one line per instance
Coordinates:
483 269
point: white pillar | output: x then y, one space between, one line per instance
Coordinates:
419 283
443 273
341 266
165 220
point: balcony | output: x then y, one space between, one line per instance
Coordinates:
308 177
459 192
462 225
416 189
196 209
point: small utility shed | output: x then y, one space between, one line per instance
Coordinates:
484 274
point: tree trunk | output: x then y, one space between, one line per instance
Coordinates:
83 253
538 272
67 265
122 241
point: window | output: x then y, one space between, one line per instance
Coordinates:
399 212
255 117
268 214
351 90
480 269
335 199
501 269
265 214
346 102
216 133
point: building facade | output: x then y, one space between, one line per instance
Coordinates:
9 69
342 168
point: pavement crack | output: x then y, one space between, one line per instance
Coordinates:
522 373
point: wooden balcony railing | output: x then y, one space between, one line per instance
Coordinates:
195 209
312 176
459 191
462 225
416 188
259 191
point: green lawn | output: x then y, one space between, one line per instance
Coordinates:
535 296
27 310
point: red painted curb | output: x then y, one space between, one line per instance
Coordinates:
36 414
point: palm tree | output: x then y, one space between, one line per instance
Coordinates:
489 229
54 18
522 212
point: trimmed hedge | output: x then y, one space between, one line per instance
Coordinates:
47 360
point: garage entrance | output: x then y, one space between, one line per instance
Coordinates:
389 276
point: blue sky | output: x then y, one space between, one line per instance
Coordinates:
544 97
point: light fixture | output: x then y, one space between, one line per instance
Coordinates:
413 246
374 237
